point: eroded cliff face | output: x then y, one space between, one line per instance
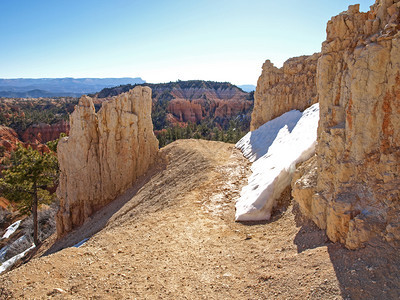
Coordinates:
280 90
357 194
104 154
8 139
42 133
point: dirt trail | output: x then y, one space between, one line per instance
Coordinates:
176 239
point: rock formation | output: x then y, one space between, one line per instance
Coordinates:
280 90
42 133
104 154
8 138
196 110
195 100
358 162
185 110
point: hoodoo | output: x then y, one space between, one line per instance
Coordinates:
280 90
104 154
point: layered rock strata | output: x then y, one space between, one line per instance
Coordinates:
357 195
42 133
280 90
104 154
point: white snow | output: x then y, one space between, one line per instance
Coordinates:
18 244
11 229
9 263
275 152
80 243
256 143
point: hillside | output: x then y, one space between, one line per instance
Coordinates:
173 236
195 101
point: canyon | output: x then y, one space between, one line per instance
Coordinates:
333 228
195 100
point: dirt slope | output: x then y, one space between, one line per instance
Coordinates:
172 236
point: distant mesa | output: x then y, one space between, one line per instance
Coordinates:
247 87
59 87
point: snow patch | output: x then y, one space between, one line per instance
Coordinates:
80 243
255 144
11 229
275 152
9 263
21 243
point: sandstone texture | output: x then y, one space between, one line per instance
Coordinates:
104 154
304 191
43 133
280 90
358 162
8 138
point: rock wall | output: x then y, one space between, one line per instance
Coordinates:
357 195
280 90
104 154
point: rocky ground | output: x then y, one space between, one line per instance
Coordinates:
173 236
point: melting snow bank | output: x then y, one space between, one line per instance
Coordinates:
11 229
255 144
275 161
21 243
9 263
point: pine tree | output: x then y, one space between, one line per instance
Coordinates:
26 180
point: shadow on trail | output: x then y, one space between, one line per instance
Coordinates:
100 219
372 272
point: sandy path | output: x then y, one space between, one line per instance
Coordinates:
176 239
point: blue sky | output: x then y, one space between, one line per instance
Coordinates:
160 41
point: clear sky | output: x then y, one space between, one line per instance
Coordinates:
160 41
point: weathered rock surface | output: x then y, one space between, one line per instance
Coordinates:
8 138
358 160
42 133
104 154
280 90
196 110
185 110
304 189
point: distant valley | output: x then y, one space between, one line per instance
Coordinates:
59 87
182 109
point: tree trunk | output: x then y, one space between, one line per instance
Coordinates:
35 215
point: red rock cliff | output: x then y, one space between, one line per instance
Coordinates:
42 133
